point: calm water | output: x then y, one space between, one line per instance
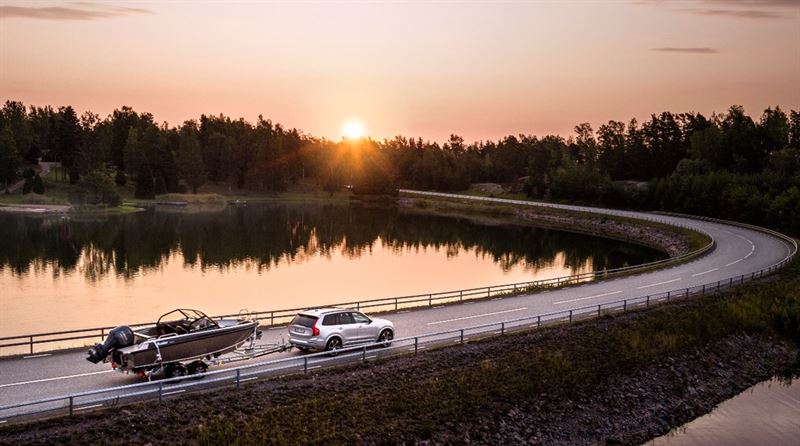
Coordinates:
62 273
765 414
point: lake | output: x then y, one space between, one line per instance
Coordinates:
64 272
765 414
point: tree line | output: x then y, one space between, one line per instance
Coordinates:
728 165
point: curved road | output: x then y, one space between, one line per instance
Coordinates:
738 251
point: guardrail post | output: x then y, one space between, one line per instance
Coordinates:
31 337
647 302
598 311
416 345
160 393
718 283
625 305
515 288
102 333
704 290
272 318
462 335
71 404
305 366
238 377
502 328
395 304
489 291
364 354
460 295
687 292
358 306
538 321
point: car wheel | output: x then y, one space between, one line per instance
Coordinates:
386 338
334 344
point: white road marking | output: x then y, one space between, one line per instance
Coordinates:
705 272
42 355
659 283
174 392
477 316
88 407
748 255
585 298
734 263
22 383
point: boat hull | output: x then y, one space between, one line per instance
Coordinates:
183 348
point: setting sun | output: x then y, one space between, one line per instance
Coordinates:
353 129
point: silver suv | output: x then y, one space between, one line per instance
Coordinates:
334 328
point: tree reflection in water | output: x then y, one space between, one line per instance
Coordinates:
263 236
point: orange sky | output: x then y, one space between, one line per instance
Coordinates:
481 69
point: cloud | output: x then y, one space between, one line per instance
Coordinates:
75 11
736 9
736 13
687 50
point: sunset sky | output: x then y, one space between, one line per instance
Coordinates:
481 69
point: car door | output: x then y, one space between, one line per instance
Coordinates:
349 328
367 331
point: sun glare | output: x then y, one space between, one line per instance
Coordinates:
353 129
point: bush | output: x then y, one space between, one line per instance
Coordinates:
38 185
120 178
97 187
145 187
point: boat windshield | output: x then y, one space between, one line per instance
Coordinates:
184 320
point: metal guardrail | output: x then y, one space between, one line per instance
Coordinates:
277 317
116 396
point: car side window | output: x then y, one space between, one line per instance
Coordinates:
331 319
346 318
360 318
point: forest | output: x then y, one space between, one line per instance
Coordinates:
728 165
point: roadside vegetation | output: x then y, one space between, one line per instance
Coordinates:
728 165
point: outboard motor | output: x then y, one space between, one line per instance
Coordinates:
120 337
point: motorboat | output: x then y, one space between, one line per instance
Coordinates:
181 342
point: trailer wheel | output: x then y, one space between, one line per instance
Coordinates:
175 371
198 367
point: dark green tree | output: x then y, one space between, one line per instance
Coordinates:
191 159
9 157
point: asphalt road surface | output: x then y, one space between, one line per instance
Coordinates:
738 251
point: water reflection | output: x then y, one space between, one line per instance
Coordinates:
261 237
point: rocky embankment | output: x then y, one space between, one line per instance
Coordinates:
618 380
671 242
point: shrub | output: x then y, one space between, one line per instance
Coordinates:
97 187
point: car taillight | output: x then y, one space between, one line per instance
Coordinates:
314 329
